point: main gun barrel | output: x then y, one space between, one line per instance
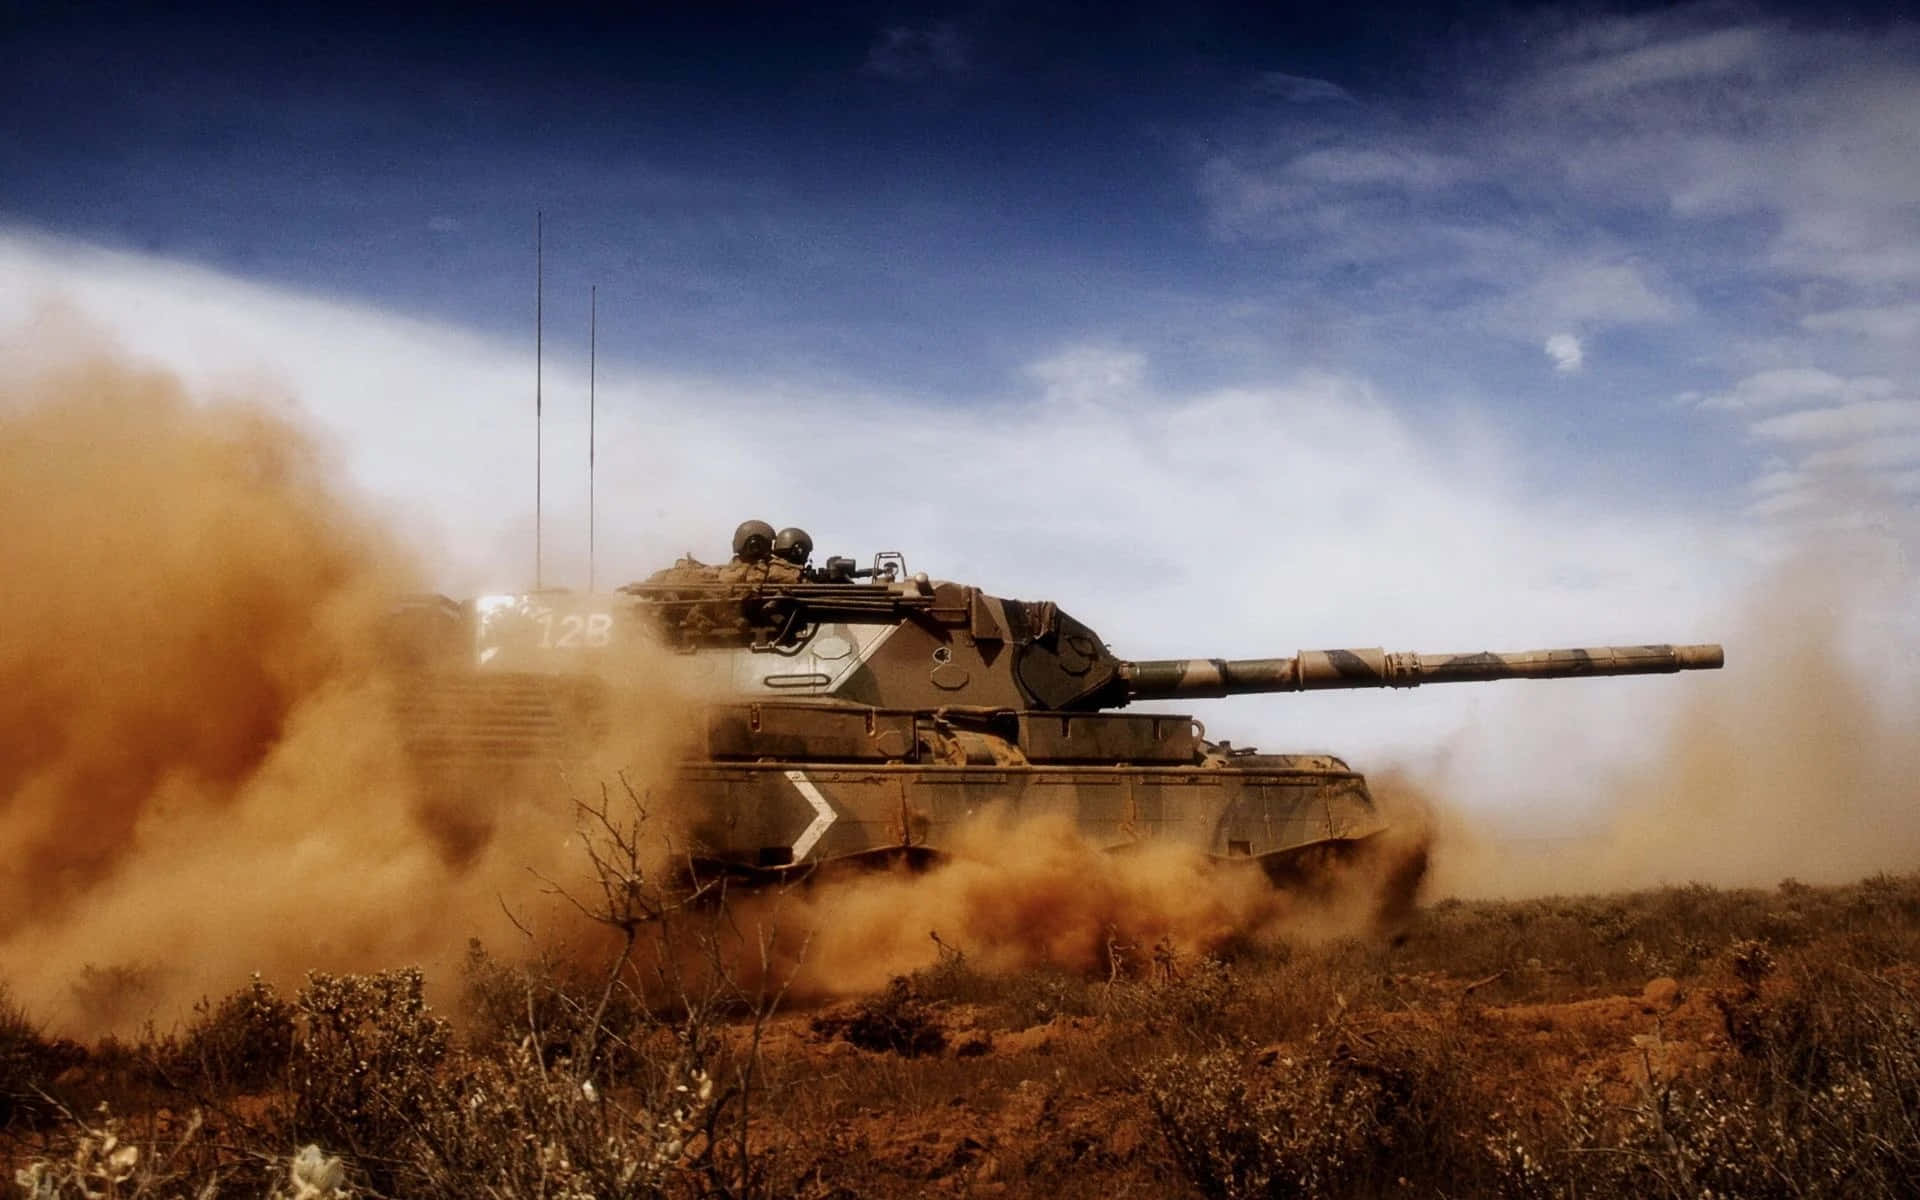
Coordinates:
1317 670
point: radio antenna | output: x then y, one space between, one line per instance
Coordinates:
593 332
539 284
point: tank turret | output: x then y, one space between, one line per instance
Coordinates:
923 644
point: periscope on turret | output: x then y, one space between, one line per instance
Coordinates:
864 713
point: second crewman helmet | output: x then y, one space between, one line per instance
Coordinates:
793 545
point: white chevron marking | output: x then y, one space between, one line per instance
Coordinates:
823 818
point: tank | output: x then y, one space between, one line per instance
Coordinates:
859 715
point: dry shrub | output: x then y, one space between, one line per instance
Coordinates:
511 1126
1821 1099
896 1020
1339 1117
1007 999
107 1157
550 999
105 1162
1203 1002
241 1044
28 1063
114 996
365 1069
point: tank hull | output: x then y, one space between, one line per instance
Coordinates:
778 791
768 820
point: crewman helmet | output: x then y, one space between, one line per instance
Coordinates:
793 544
753 541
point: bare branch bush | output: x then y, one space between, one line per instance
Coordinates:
634 1081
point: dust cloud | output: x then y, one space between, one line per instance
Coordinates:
1014 892
1798 760
200 775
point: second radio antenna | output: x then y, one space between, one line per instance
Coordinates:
593 332
539 282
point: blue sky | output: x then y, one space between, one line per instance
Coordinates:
925 199
1445 326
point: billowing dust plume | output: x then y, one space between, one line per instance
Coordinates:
202 774
1016 893
199 773
1801 759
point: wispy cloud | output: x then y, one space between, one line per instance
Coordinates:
1090 375
1595 294
1604 69
1730 191
1897 451
1300 89
1845 421
1781 387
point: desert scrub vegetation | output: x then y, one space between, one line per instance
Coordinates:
402 1108
1569 946
1495 1049
1814 1090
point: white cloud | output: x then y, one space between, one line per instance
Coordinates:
1682 60
1781 387
1877 453
1607 172
1090 375
1844 421
1566 352
1846 244
1300 512
1299 89
1612 293
1781 481
1786 502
